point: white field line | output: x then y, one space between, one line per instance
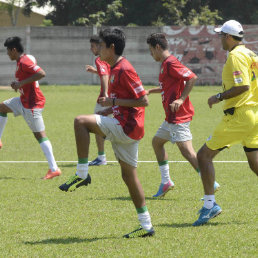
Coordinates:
140 161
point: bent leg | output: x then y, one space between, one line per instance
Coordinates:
158 147
83 126
188 152
3 119
205 157
252 157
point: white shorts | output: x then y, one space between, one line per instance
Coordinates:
125 148
175 132
99 108
33 117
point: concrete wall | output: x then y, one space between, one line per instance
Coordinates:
63 52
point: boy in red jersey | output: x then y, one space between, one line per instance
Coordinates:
103 70
31 102
127 101
176 82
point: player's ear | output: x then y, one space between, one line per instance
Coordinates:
112 46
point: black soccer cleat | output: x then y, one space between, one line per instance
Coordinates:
74 182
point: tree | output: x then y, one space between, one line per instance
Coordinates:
13 7
150 12
187 12
109 17
245 12
74 12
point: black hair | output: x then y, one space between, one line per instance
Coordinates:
95 39
234 37
114 36
14 42
238 38
158 39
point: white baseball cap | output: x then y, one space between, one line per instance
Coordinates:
231 27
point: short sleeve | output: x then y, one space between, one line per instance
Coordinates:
179 71
240 70
29 66
102 67
133 83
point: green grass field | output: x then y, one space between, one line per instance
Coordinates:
38 220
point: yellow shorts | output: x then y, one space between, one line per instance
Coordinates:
241 127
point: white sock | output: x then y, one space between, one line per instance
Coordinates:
102 157
164 170
209 201
48 152
82 170
145 220
3 121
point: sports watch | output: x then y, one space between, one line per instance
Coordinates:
219 96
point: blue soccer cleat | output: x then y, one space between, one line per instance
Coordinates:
207 214
98 162
163 189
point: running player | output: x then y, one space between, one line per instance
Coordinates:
176 82
31 102
103 70
127 101
240 121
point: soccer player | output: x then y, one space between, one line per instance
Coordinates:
103 70
31 102
240 121
127 101
176 82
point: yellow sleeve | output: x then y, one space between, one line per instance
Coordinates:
239 70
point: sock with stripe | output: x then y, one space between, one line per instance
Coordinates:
164 170
3 121
47 149
101 155
144 217
82 168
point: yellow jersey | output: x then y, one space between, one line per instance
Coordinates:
241 68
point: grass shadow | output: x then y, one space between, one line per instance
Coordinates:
6 177
159 199
212 224
13 178
121 198
73 165
69 240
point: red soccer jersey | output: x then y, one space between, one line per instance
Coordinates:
103 68
172 79
31 95
124 83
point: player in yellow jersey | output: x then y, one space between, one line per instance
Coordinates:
240 121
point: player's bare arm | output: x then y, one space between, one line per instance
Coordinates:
175 105
35 77
228 94
91 69
140 102
153 90
105 112
104 84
